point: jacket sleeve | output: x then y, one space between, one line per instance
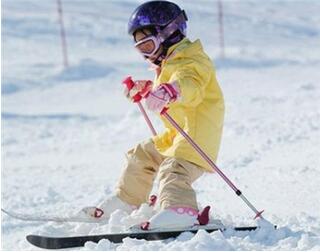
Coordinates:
191 85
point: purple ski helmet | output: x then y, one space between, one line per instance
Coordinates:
166 17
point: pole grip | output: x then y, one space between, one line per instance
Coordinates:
130 84
137 98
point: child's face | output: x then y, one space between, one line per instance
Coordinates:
148 46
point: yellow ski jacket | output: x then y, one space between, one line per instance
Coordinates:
199 111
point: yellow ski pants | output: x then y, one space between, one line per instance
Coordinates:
175 176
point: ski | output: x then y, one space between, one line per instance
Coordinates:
46 218
79 241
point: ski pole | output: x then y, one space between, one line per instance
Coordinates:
129 82
137 98
211 163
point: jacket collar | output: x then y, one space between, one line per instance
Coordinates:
178 49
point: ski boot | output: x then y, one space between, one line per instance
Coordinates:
177 218
106 208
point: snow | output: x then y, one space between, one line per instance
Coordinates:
65 131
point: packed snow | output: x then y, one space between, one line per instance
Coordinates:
65 130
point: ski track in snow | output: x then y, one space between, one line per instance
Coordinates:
65 132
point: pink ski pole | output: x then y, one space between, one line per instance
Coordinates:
137 98
211 163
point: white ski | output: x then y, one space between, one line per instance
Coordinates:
44 218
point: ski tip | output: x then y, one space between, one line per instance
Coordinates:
33 239
5 211
39 242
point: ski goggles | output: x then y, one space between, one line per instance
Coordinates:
148 46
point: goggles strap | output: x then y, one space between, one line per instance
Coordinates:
172 26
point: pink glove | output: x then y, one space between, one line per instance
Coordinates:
141 87
164 94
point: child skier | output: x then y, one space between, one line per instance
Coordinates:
185 83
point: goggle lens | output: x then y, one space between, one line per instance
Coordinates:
148 46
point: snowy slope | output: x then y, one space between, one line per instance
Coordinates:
65 131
